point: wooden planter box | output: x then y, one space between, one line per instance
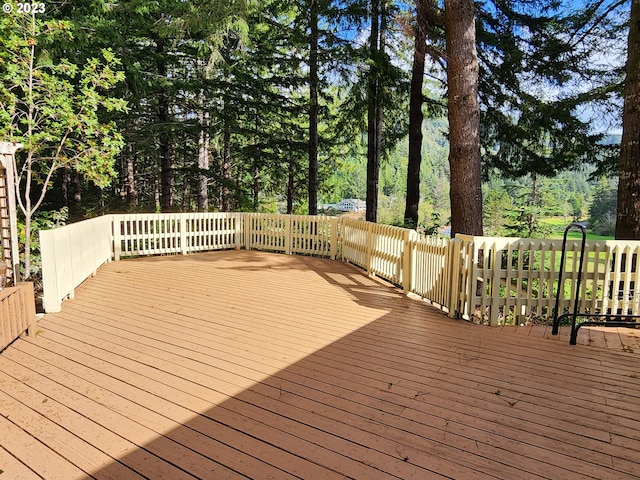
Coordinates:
17 312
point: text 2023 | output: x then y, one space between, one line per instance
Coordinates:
30 7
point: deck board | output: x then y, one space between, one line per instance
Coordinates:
238 364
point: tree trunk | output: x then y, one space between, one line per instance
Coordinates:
165 137
203 155
256 186
534 202
27 210
65 185
373 115
464 118
291 186
186 179
101 201
416 118
257 162
156 192
167 154
131 191
75 208
628 212
226 167
313 110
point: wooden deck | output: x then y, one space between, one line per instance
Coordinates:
254 365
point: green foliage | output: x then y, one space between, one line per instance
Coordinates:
244 65
348 180
55 109
518 207
43 220
546 93
391 210
602 213
497 204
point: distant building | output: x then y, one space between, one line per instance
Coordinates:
351 205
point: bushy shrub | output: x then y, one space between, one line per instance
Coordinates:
40 221
602 213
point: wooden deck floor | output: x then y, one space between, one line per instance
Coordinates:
253 365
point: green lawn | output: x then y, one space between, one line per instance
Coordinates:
558 224
576 235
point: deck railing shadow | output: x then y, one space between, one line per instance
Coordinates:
488 280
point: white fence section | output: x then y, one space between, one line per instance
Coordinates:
313 235
485 279
508 280
213 231
291 234
621 278
166 233
377 248
431 269
70 255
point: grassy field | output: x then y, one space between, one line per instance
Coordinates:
558 224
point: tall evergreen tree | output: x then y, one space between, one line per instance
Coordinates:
313 107
538 74
628 212
541 74
375 99
427 20
464 117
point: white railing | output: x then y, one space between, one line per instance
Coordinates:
213 231
431 269
70 255
508 280
166 233
485 279
292 234
377 248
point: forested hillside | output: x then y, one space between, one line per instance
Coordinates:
512 206
279 106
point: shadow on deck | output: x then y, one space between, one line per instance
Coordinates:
245 364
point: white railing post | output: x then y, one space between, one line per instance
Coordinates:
248 226
238 226
184 248
288 233
333 246
51 299
369 240
116 227
473 278
408 259
456 247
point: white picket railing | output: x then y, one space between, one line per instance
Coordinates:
485 279
71 254
292 234
158 233
511 279
431 269
377 248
